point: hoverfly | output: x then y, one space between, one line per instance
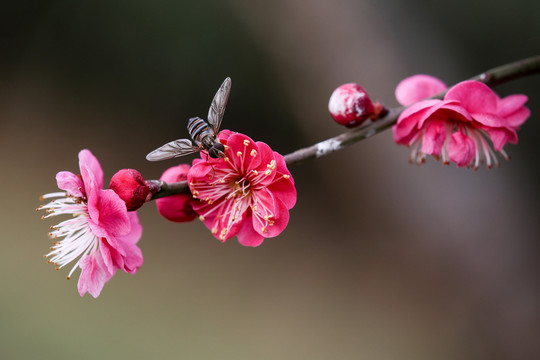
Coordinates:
203 134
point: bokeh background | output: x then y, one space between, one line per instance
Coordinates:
381 260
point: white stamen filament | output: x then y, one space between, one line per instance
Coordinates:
78 239
483 152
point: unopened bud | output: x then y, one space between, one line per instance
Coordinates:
131 187
350 106
177 207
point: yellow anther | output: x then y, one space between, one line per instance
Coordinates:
272 165
222 234
226 159
255 172
253 152
268 172
246 142
286 176
201 217
214 230
239 153
254 208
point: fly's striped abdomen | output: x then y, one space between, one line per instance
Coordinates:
198 129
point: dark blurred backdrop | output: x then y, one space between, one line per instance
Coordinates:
381 260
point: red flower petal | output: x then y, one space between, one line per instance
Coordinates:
517 118
501 136
71 183
461 149
283 184
407 123
271 217
243 153
418 87
247 235
511 104
91 171
133 258
474 96
93 276
113 215
434 138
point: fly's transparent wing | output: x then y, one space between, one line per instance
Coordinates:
215 113
172 149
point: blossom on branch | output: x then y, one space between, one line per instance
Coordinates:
458 127
100 236
248 193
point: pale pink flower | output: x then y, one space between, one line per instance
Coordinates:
248 193
100 236
459 127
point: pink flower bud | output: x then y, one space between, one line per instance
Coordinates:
177 207
131 187
350 105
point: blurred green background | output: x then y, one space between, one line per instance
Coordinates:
381 260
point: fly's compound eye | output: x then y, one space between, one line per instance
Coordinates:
216 150
213 152
219 147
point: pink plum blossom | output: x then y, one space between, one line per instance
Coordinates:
248 193
458 127
100 236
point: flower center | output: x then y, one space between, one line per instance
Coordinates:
240 189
